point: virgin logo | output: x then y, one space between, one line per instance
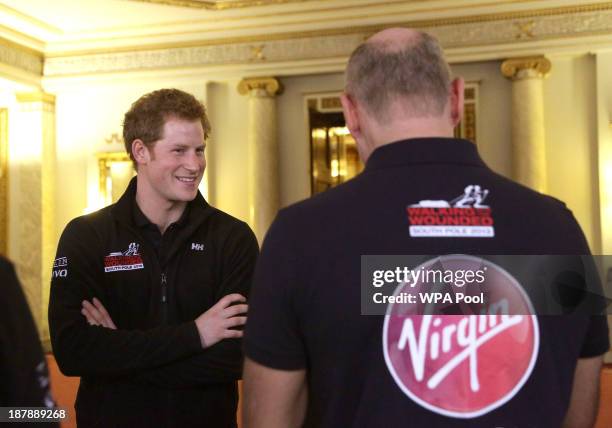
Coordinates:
464 366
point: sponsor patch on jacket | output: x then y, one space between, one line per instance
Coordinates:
126 260
60 268
465 216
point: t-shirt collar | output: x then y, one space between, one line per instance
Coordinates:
424 150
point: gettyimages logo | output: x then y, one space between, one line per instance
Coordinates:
464 366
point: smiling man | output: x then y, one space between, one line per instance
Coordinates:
148 295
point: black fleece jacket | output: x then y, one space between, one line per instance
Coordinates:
152 368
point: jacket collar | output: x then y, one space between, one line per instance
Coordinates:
198 211
425 150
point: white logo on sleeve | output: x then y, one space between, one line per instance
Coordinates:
197 247
60 268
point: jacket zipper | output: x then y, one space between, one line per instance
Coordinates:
164 303
164 297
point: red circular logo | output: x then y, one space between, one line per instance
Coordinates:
462 366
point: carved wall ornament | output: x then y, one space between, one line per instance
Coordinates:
520 68
115 138
525 29
257 53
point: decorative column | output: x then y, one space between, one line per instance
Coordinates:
264 193
34 244
528 139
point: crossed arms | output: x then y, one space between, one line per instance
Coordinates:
86 341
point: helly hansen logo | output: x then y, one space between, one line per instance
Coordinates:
197 247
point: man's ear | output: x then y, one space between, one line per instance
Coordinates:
140 152
351 115
456 100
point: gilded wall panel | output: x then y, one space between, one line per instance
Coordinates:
35 178
29 252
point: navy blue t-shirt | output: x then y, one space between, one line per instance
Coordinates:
305 308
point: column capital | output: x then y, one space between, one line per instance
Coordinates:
35 97
521 68
270 85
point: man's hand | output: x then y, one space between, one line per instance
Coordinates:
97 314
216 323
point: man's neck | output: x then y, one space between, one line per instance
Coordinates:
159 211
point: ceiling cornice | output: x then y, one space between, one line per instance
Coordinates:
514 29
21 57
347 30
495 35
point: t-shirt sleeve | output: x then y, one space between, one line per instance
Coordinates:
272 335
596 340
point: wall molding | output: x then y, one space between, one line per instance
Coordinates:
21 57
509 32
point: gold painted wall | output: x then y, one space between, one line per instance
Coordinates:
227 152
604 147
494 112
571 139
